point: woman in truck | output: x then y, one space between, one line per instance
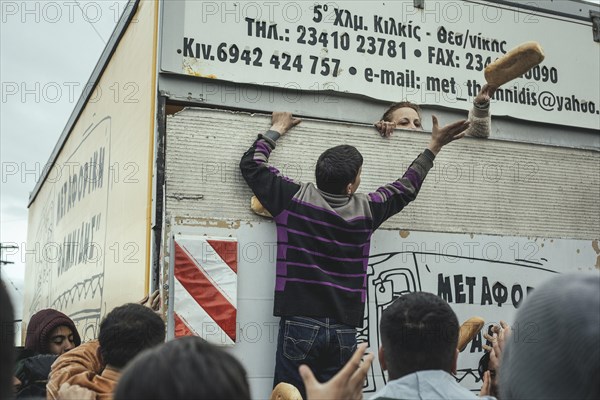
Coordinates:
407 115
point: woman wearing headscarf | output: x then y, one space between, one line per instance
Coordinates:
50 333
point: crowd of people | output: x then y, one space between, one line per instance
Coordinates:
419 333
323 239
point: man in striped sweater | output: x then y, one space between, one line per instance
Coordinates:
323 243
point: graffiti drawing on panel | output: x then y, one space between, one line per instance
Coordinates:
472 286
478 275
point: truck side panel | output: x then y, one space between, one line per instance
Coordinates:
88 225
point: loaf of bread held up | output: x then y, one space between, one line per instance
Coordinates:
468 330
514 63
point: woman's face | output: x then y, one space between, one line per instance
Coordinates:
61 340
407 118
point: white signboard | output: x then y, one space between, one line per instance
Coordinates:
478 275
389 51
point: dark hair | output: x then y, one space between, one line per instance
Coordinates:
419 331
337 167
128 330
7 343
186 368
387 116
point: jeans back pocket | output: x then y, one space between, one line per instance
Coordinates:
347 342
298 339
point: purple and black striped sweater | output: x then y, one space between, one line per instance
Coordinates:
323 240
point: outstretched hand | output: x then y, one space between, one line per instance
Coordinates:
442 136
152 301
500 335
283 122
75 392
484 95
346 384
385 128
486 387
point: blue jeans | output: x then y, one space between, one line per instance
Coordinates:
321 343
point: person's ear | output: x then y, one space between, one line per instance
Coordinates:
99 355
349 188
455 362
381 356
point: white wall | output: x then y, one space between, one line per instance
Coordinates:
513 230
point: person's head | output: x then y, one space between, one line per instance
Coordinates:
186 368
338 170
419 331
557 351
7 343
128 330
405 115
51 332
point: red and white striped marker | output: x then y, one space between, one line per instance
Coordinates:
205 302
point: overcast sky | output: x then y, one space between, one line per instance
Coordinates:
48 51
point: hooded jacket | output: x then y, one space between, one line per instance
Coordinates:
39 328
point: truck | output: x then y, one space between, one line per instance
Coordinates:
143 189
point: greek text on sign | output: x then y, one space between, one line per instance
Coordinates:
389 51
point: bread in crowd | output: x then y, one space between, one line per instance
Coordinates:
285 391
468 330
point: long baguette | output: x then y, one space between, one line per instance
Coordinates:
514 63
468 330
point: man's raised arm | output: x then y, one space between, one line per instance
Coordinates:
271 188
393 197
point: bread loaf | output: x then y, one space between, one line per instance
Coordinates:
285 391
258 208
468 330
514 63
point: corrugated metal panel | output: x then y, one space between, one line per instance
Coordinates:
476 186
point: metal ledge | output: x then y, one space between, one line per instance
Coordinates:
339 107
